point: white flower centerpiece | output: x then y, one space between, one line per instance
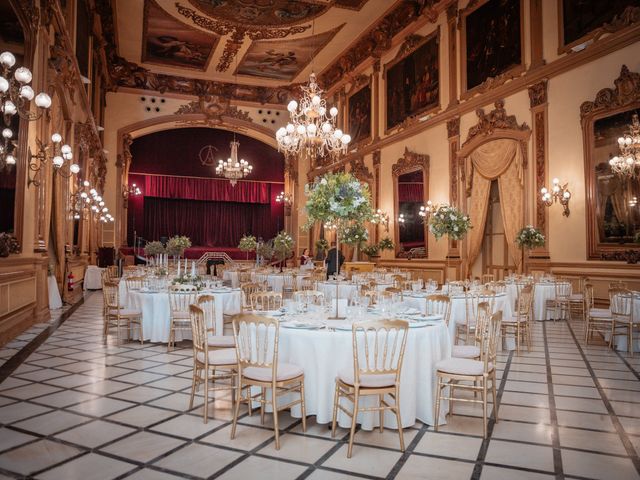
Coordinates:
529 238
282 247
450 221
248 244
339 199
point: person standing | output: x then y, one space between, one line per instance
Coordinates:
330 261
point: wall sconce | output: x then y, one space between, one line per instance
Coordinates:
87 200
559 193
131 190
381 218
287 200
426 210
60 156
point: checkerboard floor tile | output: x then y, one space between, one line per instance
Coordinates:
75 407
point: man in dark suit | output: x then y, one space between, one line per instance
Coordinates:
331 260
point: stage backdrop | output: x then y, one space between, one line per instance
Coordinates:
175 170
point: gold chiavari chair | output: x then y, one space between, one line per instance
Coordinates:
116 315
439 305
598 319
481 372
244 276
265 301
378 352
308 283
393 291
180 297
559 305
623 324
473 351
618 284
309 297
262 279
209 365
112 271
215 339
488 277
519 325
134 283
371 294
456 287
257 339
464 329
398 280
288 285
246 290
577 300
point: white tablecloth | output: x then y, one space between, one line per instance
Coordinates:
322 353
458 308
541 293
345 289
55 301
93 278
155 312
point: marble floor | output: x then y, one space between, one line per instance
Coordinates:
72 407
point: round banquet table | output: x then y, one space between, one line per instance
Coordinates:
458 308
346 290
541 293
322 353
156 317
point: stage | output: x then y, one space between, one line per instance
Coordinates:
194 253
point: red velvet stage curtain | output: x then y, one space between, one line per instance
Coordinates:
410 192
210 189
212 224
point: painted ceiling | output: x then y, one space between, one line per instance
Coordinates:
252 42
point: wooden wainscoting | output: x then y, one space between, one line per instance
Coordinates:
24 296
427 269
77 266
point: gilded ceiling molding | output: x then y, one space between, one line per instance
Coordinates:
627 91
62 63
496 119
233 45
377 40
214 108
409 161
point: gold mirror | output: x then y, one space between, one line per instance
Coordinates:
613 211
410 191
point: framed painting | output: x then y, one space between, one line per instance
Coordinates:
412 81
169 42
359 108
492 41
582 20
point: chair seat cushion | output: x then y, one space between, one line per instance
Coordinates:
125 312
600 312
465 351
221 341
462 366
225 356
368 380
286 371
576 297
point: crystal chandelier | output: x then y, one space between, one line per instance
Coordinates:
628 163
15 95
312 128
234 169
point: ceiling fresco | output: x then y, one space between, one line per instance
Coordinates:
167 41
283 59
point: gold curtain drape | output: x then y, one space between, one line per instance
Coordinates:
501 159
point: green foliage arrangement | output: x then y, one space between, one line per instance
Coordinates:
177 245
322 245
385 244
247 243
355 234
8 244
154 248
265 250
371 250
282 245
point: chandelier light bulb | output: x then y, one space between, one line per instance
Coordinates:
4 84
98 198
333 112
293 105
57 161
338 134
556 181
66 149
56 138
543 190
322 111
290 128
312 129
74 168
9 108
281 132
43 100
300 130
7 59
10 160
346 139
23 75
315 100
7 133
326 127
83 195
86 183
27 92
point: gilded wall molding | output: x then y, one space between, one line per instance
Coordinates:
538 104
495 119
214 108
409 161
358 168
626 91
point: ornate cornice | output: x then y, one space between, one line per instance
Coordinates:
538 93
214 108
376 158
376 40
124 158
626 91
496 119
453 127
360 170
409 161
61 62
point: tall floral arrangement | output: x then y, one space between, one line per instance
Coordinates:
450 221
283 245
248 244
530 237
154 248
355 234
177 245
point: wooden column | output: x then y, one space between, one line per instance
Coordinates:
375 105
455 199
376 193
539 112
452 47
